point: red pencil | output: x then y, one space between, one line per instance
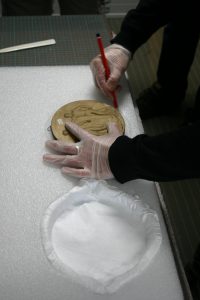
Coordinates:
105 64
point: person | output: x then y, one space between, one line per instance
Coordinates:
165 157
181 36
168 156
45 7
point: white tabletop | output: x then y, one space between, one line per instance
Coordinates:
29 97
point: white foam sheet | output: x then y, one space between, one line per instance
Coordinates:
29 97
100 236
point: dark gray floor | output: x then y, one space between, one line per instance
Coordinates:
182 198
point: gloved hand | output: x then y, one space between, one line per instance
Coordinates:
118 58
87 158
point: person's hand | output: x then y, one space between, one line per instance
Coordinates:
87 158
118 58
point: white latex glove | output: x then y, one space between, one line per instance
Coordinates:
118 58
87 158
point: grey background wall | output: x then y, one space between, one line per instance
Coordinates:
114 7
121 6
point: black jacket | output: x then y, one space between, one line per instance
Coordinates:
170 156
165 157
150 15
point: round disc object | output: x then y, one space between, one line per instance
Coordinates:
91 115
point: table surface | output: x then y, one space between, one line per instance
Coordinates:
75 39
29 97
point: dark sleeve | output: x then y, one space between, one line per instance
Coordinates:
150 15
166 157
